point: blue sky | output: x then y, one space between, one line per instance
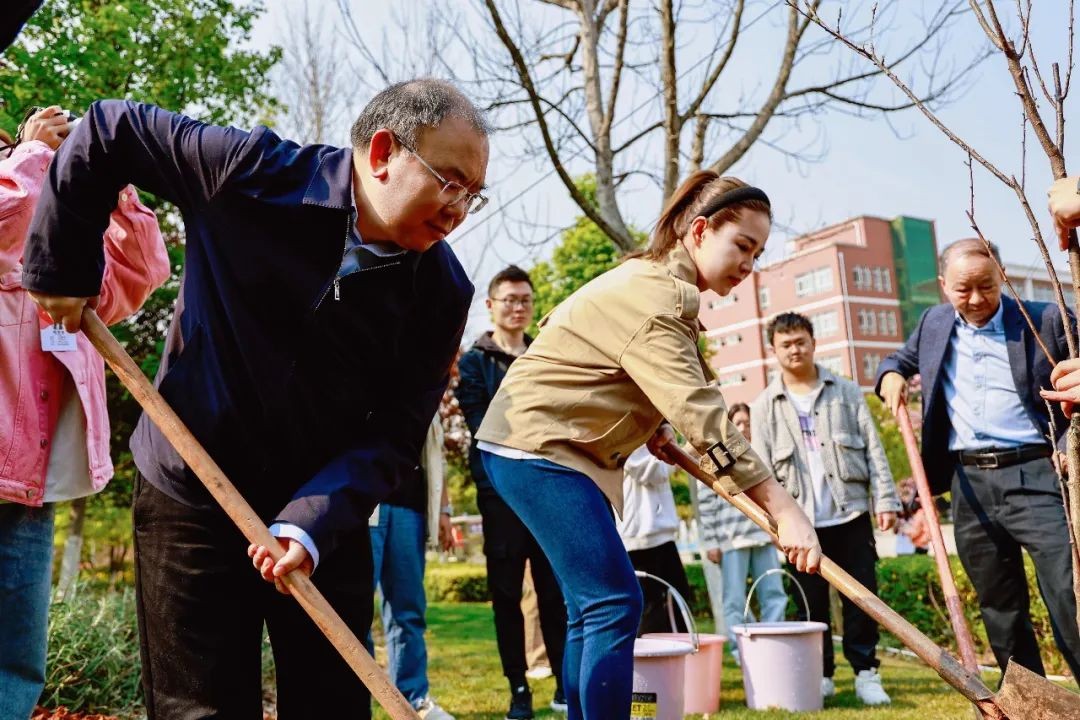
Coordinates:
867 168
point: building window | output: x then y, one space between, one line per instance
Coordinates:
882 279
862 277
813 282
823 279
825 324
832 363
867 322
732 380
763 297
887 322
723 301
870 365
732 339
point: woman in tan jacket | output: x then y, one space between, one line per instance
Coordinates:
611 363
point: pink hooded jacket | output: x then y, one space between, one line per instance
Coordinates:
136 263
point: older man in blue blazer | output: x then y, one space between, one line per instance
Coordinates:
986 437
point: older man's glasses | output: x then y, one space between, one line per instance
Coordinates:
452 192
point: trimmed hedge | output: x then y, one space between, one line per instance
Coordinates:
456 582
908 584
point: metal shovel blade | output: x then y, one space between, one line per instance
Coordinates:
1025 695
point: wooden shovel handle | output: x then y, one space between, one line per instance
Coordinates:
241 513
969 684
948 584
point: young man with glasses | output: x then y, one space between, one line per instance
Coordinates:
294 358
508 544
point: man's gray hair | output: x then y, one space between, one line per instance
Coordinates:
967 246
407 106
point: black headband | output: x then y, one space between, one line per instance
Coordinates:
732 197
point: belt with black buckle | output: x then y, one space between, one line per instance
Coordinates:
992 459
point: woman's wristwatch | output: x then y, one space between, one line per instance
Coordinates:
446 510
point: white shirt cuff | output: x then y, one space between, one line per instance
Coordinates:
288 530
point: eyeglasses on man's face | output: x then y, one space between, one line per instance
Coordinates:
511 301
452 192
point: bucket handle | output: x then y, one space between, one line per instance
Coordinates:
684 609
759 578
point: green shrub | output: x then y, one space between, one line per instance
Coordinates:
456 582
909 584
93 657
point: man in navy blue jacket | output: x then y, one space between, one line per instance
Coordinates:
985 438
318 316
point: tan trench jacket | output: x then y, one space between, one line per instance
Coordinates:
611 362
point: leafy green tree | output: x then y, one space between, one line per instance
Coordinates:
181 54
185 55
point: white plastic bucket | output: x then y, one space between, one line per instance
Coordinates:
659 676
781 661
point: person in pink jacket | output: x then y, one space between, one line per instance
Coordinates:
54 426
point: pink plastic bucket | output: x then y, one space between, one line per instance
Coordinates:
781 661
701 691
659 678
781 664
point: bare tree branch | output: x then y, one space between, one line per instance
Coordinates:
697 149
616 233
721 65
620 50
796 29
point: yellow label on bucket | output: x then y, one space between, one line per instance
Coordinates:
643 706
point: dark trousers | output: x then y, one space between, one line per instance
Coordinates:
507 545
851 546
663 562
997 513
201 609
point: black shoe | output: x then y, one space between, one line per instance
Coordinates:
520 705
558 703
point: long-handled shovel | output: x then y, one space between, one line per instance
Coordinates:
1023 695
301 587
948 585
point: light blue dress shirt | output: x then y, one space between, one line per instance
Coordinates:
984 408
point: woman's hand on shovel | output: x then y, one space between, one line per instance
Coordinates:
795 533
296 557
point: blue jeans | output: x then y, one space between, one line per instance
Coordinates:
26 545
735 565
574 526
397 551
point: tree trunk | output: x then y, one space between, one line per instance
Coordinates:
73 544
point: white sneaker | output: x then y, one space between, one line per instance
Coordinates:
429 710
828 687
868 688
539 672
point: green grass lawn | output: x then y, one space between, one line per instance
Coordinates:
467 680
